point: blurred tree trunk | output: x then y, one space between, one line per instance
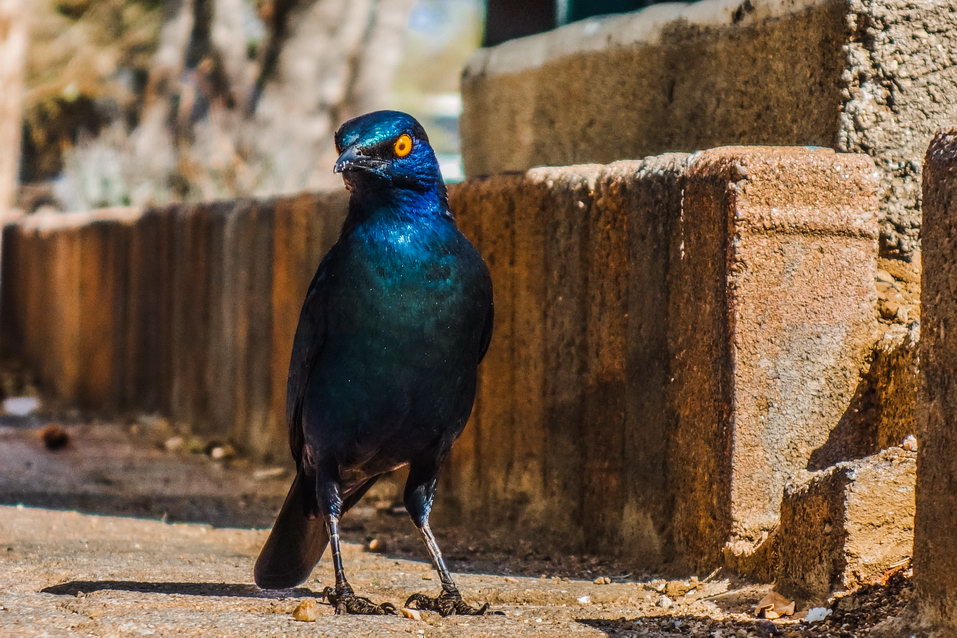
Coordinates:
224 121
13 46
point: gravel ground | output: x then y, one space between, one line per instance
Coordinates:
164 541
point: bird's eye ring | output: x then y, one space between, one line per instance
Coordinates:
403 145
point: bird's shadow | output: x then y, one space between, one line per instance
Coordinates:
235 590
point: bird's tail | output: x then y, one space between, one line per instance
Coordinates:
295 544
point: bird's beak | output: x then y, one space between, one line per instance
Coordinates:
352 159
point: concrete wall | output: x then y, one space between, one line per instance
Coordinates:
675 337
870 76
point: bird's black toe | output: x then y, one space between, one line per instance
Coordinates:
445 604
346 602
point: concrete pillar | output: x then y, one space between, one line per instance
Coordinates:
773 315
935 534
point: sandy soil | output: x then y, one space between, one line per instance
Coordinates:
163 544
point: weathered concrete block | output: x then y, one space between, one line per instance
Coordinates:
871 76
304 228
149 307
677 337
935 543
784 240
549 445
845 526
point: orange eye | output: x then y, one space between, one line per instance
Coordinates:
403 145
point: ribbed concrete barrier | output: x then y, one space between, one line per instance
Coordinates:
675 337
187 311
861 76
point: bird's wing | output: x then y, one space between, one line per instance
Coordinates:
310 336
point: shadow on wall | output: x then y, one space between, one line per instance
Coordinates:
884 408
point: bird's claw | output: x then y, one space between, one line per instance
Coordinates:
448 603
346 602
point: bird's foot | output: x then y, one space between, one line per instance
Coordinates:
447 603
346 602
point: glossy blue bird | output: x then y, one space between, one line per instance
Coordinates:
383 367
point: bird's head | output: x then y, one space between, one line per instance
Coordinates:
386 150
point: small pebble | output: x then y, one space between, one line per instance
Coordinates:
54 437
910 443
411 614
219 451
376 545
817 614
602 580
174 443
665 603
584 600
306 611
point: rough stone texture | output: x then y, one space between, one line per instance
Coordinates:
935 543
696 332
898 290
674 338
871 76
187 311
13 51
845 526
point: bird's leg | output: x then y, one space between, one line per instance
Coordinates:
419 492
342 597
449 602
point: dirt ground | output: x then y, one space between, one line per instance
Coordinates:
132 530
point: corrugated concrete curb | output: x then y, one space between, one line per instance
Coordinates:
188 311
675 337
678 336
869 76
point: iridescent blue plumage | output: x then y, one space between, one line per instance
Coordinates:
384 361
